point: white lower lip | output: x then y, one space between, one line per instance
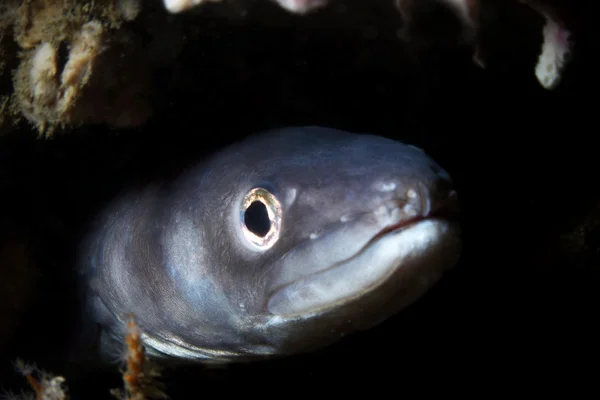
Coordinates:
364 272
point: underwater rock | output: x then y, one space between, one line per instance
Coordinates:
76 63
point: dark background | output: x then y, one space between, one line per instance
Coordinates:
519 311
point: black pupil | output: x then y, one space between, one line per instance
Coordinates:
256 219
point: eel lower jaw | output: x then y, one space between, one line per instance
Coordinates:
422 248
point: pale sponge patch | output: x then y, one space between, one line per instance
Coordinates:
294 6
301 6
555 54
43 72
177 6
77 71
129 9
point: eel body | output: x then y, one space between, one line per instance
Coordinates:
279 244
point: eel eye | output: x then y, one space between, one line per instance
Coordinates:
261 218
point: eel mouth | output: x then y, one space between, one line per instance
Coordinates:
412 247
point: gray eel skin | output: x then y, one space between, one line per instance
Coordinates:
279 244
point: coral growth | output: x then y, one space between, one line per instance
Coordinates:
47 95
555 54
140 376
71 64
45 385
551 62
555 48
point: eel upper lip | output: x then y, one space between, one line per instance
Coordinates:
396 227
447 209
444 209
